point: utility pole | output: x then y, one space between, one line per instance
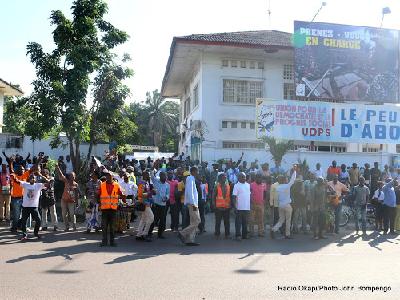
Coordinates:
316 14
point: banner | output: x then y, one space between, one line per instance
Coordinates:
328 122
344 62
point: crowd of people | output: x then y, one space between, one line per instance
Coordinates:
119 191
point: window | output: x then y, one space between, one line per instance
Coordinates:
187 107
242 145
243 125
260 64
14 142
224 124
252 65
196 95
288 91
225 63
241 91
288 72
233 63
243 64
371 147
252 125
234 124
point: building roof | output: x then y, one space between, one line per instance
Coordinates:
260 38
268 41
9 89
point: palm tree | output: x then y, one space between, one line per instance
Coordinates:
277 149
162 116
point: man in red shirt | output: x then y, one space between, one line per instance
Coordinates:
332 171
258 195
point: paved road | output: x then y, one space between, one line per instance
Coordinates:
70 265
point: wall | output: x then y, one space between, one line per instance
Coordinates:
1 111
34 147
325 158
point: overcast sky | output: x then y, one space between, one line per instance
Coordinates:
152 24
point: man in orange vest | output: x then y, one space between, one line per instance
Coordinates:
109 192
222 204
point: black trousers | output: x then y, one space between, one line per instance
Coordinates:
174 216
318 222
34 212
160 216
202 207
219 215
241 220
389 214
108 218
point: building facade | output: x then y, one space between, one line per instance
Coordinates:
217 78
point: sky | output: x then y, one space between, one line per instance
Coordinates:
152 24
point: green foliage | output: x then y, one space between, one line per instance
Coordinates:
277 149
157 120
82 51
17 116
51 165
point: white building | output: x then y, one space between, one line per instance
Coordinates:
6 89
217 78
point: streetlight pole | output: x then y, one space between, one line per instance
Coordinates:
385 11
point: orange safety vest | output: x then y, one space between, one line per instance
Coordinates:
108 201
220 201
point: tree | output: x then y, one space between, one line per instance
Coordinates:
162 117
82 51
17 116
277 149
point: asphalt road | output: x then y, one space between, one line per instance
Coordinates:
70 265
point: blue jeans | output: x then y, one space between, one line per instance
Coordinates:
338 215
361 210
16 207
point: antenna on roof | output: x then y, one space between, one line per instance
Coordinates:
316 14
269 14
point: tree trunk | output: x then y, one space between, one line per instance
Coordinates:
71 150
77 165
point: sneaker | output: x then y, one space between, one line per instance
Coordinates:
44 228
66 229
180 236
316 238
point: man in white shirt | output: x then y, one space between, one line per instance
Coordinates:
241 200
318 172
30 203
187 235
284 200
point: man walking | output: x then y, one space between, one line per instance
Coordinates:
188 235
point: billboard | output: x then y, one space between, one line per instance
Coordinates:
343 62
328 122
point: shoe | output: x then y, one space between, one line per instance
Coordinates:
316 238
23 238
55 228
44 228
288 237
87 231
392 233
161 237
74 227
39 237
13 230
192 244
66 229
238 238
113 244
148 239
261 235
385 233
102 244
180 236
139 238
272 234
322 237
227 237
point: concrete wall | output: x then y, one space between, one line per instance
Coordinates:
34 147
